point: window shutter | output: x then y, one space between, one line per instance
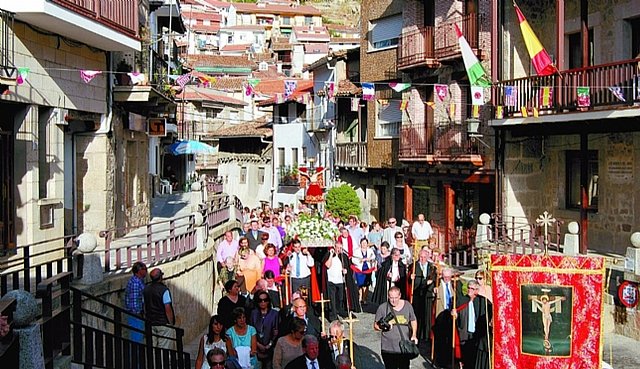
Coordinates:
386 28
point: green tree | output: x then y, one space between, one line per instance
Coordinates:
343 201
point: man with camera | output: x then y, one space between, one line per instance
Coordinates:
397 321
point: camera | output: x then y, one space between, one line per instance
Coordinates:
383 323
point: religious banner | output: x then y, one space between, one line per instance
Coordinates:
477 95
312 179
441 91
546 96
547 311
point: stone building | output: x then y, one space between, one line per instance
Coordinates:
578 159
56 132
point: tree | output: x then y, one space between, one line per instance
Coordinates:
343 201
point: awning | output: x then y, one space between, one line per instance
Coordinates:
481 177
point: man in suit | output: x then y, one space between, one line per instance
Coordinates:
442 326
335 344
310 360
254 235
423 293
471 320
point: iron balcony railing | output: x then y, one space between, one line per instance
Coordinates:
120 15
610 85
351 155
7 49
416 47
446 39
444 140
288 175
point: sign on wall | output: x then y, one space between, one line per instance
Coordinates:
157 127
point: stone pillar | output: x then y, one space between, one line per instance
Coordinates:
29 335
483 230
572 240
92 271
201 231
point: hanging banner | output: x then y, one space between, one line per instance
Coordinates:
441 91
404 104
510 96
475 111
499 112
546 97
547 311
452 111
368 91
477 95
88 75
289 87
617 92
137 78
23 73
355 103
584 99
330 91
399 87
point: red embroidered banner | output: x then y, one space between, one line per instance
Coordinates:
547 311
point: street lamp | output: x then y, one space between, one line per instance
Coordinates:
473 124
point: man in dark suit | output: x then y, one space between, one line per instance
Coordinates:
471 320
335 344
310 360
424 277
299 310
254 235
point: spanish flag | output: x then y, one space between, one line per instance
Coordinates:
539 56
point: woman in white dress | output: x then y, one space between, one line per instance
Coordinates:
215 337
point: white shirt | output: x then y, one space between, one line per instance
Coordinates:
395 272
306 262
356 234
274 236
309 366
389 234
334 274
421 231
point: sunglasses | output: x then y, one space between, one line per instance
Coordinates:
302 332
479 278
333 336
263 300
399 237
217 363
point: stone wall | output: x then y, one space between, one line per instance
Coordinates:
535 181
190 279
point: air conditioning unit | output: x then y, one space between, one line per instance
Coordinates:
58 115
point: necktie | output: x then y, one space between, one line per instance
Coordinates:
447 296
298 265
313 365
471 326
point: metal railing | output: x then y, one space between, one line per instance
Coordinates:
288 175
623 77
98 338
7 46
459 247
161 241
419 140
446 40
119 15
351 154
416 47
519 236
24 267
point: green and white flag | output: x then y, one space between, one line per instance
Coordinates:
477 74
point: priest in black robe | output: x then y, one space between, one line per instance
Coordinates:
424 276
350 301
392 272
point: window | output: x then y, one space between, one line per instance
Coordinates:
243 175
575 49
280 157
233 116
211 113
573 200
635 37
389 118
286 21
294 157
44 157
304 154
308 20
384 32
261 175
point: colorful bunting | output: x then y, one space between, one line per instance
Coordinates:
441 91
289 87
404 104
499 112
183 80
355 103
248 90
477 74
368 91
617 92
330 86
399 87
477 95
23 72
584 100
253 82
546 96
539 56
475 111
88 75
136 77
510 96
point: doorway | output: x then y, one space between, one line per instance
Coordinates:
7 207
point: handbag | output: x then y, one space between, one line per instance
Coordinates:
407 347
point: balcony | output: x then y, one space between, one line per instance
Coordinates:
602 80
7 53
288 176
107 25
438 143
285 59
416 49
351 155
446 40
146 97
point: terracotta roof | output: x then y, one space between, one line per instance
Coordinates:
319 48
304 86
201 28
342 28
218 4
245 27
191 15
235 47
192 93
345 89
223 83
272 73
276 9
267 56
281 46
345 40
311 34
249 129
200 60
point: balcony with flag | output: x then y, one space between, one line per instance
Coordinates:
416 48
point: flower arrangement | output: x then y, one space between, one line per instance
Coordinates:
313 231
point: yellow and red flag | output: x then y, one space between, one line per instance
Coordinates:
539 56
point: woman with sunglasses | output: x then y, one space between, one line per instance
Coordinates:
289 347
266 321
214 338
485 290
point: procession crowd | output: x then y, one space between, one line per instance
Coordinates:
287 306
